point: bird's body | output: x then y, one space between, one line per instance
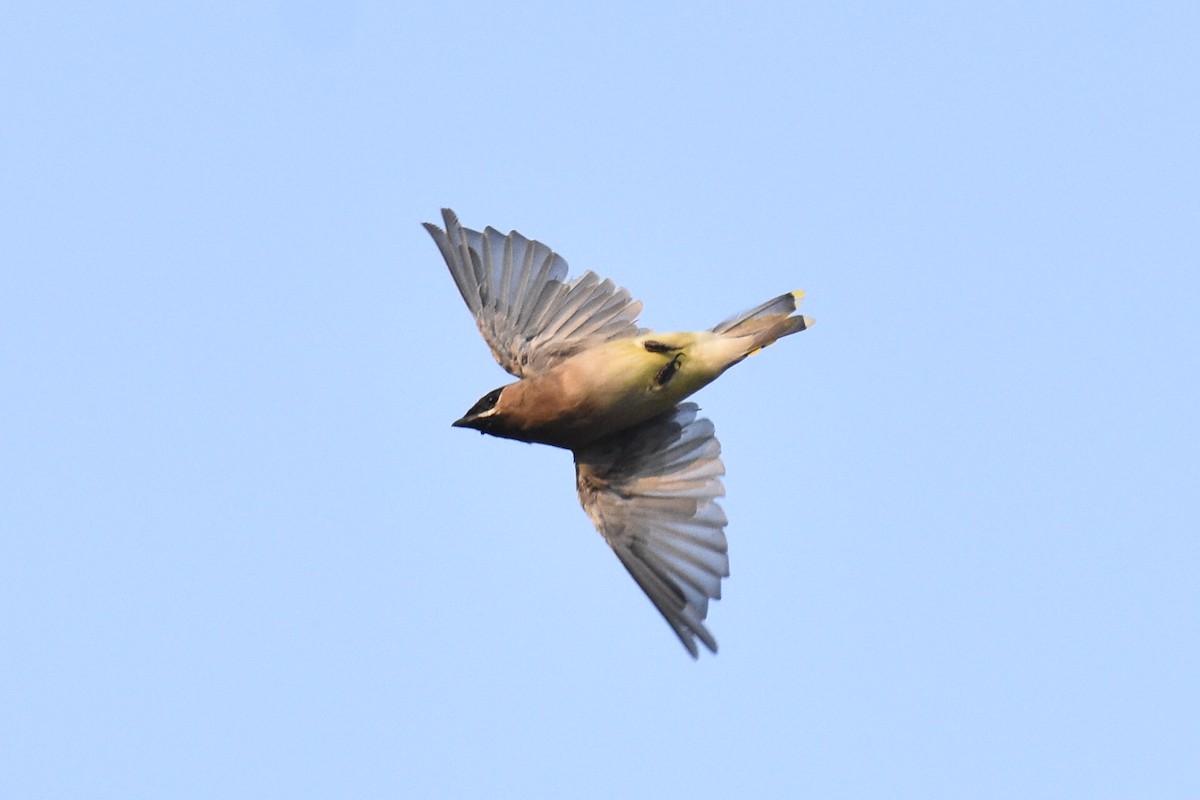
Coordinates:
614 386
647 470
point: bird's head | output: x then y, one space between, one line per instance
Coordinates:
486 416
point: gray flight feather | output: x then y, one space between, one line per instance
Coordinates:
529 314
651 491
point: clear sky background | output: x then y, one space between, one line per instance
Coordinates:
244 554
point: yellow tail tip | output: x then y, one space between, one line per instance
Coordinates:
809 322
798 296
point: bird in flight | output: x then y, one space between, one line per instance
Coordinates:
647 469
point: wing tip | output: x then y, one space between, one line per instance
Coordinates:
449 219
707 638
689 631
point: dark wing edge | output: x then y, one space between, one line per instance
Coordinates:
651 492
516 288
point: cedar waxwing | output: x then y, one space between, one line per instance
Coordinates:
647 470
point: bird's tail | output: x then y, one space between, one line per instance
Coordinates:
765 324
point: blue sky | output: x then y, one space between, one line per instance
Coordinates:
244 554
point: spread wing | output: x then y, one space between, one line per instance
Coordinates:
651 491
531 317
